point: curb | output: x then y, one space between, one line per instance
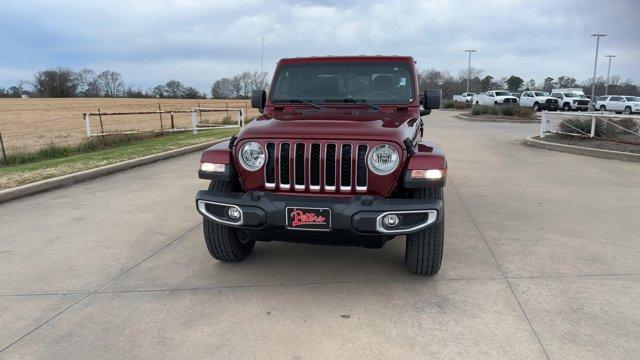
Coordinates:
579 150
70 179
500 120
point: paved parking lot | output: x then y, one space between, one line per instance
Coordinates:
542 260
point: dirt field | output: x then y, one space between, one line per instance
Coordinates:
29 124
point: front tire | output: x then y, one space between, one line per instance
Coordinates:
536 107
566 107
603 108
225 243
423 252
627 110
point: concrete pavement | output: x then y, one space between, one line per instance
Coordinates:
541 261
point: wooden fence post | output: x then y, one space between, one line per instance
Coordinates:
104 140
160 114
199 112
4 154
172 124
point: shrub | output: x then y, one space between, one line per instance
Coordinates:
624 123
507 110
227 121
484 110
524 112
581 126
461 105
447 104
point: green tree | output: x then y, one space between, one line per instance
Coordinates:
514 83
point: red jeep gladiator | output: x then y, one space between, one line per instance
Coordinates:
336 158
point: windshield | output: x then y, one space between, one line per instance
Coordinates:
541 93
632 98
374 82
502 93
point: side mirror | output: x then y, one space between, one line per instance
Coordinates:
432 99
258 99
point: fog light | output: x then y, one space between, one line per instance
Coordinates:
210 167
391 220
431 174
234 213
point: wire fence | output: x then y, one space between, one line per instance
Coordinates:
27 126
594 125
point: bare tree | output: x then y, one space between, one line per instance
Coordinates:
110 83
222 89
174 89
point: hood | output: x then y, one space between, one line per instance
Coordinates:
352 124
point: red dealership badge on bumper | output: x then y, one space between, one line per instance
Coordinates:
318 219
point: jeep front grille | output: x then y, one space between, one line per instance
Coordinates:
314 166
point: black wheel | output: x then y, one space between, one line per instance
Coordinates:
603 108
536 107
477 103
223 242
566 107
495 103
627 110
423 253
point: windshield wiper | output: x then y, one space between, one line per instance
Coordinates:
353 101
306 102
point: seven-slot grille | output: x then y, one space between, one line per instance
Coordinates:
316 166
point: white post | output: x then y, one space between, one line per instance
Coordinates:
543 123
194 121
593 126
87 124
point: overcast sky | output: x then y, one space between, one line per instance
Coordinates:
197 42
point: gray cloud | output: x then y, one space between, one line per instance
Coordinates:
200 41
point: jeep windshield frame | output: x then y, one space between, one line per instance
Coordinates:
374 82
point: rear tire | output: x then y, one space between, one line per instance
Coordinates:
603 108
627 110
225 243
423 252
566 107
536 107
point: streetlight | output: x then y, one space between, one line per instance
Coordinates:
606 87
595 65
469 67
262 56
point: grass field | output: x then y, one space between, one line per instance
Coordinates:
27 125
11 176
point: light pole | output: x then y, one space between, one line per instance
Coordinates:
606 87
595 65
469 67
262 56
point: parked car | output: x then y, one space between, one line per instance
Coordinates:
571 99
336 158
465 97
619 104
538 100
495 97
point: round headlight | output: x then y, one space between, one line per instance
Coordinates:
383 159
252 156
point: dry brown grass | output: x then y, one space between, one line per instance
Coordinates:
29 124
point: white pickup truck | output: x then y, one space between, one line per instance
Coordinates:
571 99
538 100
465 97
495 97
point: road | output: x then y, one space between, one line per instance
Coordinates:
541 261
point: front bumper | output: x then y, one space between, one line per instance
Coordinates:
549 106
358 215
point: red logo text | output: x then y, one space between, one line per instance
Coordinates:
300 218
